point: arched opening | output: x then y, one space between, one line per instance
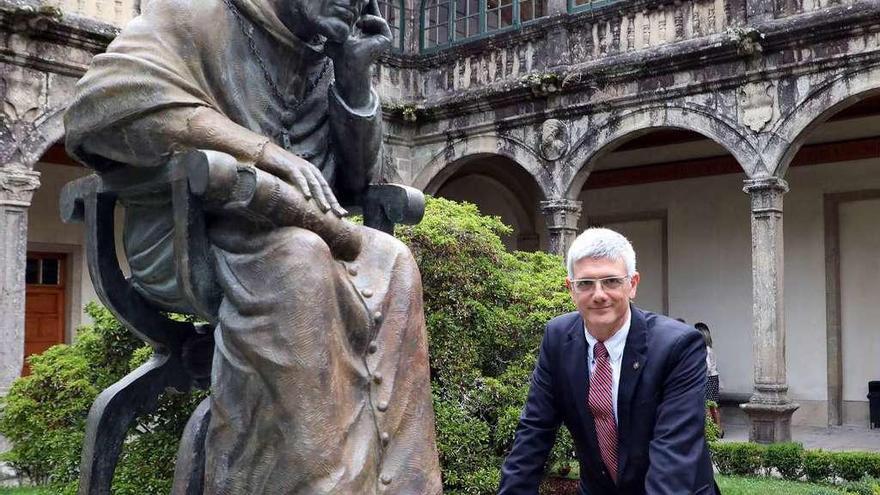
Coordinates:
500 187
677 196
832 236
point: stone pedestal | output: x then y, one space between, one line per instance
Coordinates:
17 186
561 217
769 407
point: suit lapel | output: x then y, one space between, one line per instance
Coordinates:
632 366
579 378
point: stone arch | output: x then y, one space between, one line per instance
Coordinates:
616 128
491 174
24 142
445 163
792 130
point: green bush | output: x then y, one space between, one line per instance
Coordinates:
713 431
792 462
787 458
818 465
853 466
44 414
485 308
741 459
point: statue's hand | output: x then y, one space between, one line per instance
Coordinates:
353 58
301 174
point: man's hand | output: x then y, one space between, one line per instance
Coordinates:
353 58
302 175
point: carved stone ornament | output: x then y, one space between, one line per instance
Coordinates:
17 186
554 139
756 102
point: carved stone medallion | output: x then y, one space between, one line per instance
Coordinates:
554 139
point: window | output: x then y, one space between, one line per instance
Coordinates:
445 22
395 13
43 270
581 5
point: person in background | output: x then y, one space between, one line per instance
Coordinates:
712 387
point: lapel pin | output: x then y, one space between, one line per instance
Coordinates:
636 365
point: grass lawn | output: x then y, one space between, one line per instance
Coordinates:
737 485
24 491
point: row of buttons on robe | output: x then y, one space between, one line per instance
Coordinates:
382 406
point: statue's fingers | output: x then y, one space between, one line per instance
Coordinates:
317 190
334 203
300 180
372 8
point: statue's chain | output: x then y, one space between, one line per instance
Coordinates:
268 76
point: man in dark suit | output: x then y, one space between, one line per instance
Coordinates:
628 384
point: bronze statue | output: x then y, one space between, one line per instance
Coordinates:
320 380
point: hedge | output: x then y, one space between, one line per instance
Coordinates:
792 462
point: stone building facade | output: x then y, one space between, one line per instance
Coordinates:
686 124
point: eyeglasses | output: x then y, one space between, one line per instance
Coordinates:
590 284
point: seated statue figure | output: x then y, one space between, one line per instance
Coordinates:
320 380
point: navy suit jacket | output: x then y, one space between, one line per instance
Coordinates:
660 406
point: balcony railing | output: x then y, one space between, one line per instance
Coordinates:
116 12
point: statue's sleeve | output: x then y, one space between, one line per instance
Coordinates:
149 95
357 138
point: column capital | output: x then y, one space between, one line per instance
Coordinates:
775 184
17 186
561 213
766 193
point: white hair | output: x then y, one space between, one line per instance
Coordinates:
600 243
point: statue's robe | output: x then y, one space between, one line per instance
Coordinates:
320 377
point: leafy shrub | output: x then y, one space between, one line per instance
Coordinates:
741 459
818 465
44 414
853 466
787 458
486 309
713 431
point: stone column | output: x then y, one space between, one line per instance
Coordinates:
17 185
769 408
561 217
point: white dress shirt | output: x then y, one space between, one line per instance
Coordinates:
614 346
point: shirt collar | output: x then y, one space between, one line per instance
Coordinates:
615 344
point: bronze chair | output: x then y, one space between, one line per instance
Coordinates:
182 351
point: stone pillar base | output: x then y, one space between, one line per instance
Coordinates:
770 423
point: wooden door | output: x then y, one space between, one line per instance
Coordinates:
44 303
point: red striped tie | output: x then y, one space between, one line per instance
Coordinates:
603 409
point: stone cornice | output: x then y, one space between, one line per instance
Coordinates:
32 18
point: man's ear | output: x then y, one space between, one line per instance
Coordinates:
634 283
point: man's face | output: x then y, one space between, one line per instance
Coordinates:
333 19
603 308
